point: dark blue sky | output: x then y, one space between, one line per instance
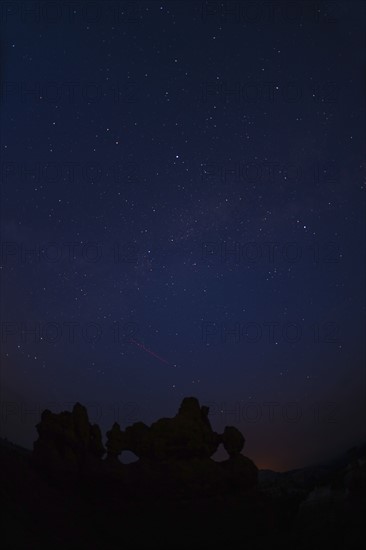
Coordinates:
190 178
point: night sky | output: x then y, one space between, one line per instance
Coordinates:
183 214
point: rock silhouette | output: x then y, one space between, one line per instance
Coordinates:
115 443
233 441
174 454
67 441
186 436
136 505
241 472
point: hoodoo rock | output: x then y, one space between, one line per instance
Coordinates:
174 454
67 441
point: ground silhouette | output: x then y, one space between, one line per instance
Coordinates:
174 454
72 491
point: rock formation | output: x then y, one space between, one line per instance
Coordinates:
174 454
67 441
187 435
115 442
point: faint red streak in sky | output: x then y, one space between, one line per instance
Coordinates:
142 346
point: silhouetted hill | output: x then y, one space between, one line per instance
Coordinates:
6 444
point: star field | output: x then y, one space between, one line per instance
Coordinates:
182 214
